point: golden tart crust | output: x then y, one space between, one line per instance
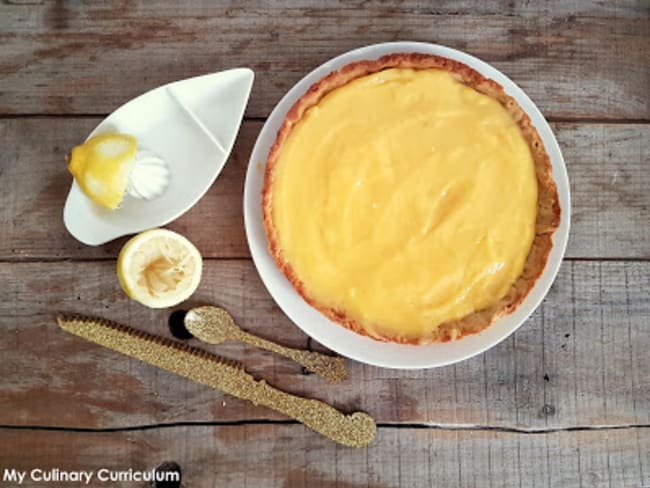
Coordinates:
548 208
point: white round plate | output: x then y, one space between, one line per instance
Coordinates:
335 336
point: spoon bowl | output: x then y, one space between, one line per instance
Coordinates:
215 325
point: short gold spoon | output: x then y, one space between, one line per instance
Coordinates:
215 325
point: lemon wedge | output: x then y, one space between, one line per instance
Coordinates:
101 166
159 268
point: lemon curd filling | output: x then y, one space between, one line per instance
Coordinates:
405 199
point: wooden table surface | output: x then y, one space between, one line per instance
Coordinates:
564 402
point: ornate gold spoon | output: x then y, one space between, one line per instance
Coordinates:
354 430
215 325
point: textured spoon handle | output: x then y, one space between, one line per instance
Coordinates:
355 430
331 369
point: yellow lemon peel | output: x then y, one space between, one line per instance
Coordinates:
101 167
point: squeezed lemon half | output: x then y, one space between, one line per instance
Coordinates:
159 268
101 166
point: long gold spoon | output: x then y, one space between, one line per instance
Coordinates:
215 325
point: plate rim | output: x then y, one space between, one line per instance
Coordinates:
277 285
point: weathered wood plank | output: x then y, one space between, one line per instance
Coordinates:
574 60
608 171
581 360
293 456
583 8
607 167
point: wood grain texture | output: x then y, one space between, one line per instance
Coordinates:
607 164
290 456
579 361
575 59
564 402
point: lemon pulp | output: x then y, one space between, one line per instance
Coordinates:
405 199
159 268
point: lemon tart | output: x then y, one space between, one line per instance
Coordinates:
410 199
